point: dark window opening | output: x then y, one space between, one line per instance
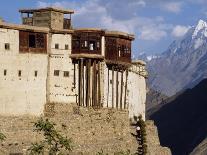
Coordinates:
66 46
56 46
66 74
32 42
19 73
7 46
5 72
85 43
40 40
98 45
92 45
56 72
35 73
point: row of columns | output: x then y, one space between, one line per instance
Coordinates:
116 93
89 83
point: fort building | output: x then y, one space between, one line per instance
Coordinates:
46 60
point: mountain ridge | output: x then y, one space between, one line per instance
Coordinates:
182 65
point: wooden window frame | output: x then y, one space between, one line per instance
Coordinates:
56 72
66 74
7 46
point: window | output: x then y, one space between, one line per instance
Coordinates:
35 73
56 72
66 74
5 72
66 46
98 44
19 73
7 46
92 45
32 43
119 50
56 46
86 43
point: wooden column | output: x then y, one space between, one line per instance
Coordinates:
108 88
94 84
121 93
74 76
99 85
81 83
117 89
125 93
112 86
88 85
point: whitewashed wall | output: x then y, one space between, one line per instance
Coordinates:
136 95
25 94
60 87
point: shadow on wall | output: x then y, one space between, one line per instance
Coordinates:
182 122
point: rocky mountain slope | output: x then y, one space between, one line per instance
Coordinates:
154 100
182 65
201 149
182 121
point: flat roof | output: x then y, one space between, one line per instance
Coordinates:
119 34
139 62
24 27
89 29
65 11
108 33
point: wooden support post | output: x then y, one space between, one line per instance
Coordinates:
87 91
117 89
94 84
89 83
81 83
121 90
125 93
99 85
83 79
112 86
108 89
74 77
86 83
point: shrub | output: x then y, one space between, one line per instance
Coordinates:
53 141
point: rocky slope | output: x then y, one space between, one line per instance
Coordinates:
201 149
182 65
154 100
182 121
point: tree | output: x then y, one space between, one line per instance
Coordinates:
53 141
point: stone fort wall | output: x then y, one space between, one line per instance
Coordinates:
91 130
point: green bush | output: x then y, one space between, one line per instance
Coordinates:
2 137
53 141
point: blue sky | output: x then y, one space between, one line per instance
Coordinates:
155 23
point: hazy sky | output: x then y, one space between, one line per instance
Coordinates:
156 23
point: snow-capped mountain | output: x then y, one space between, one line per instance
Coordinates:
183 64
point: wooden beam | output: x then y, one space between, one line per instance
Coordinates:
99 84
112 86
87 83
117 89
81 82
121 90
108 88
94 85
74 76
125 93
